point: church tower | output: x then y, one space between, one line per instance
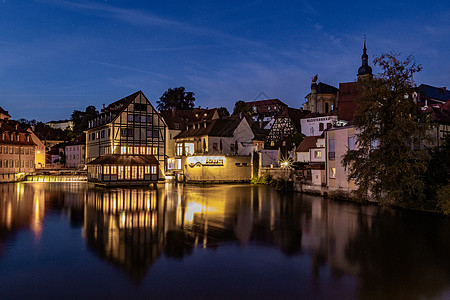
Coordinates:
365 69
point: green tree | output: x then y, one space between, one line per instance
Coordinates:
176 98
241 107
391 158
223 111
81 119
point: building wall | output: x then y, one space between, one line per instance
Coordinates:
231 168
311 126
39 158
142 137
336 172
75 155
16 159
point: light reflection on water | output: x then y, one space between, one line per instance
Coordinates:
215 241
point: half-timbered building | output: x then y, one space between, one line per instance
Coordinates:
286 125
125 144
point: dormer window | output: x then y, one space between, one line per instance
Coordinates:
18 138
12 137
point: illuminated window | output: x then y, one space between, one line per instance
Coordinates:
147 169
149 149
120 172
6 150
106 170
141 172
154 170
317 154
155 151
130 150
113 170
133 172
332 172
127 172
98 135
123 150
142 150
136 150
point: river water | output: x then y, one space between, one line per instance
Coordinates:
74 240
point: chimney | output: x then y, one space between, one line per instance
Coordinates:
174 110
103 106
444 89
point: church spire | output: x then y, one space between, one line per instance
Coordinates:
365 69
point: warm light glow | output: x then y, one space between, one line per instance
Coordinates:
206 161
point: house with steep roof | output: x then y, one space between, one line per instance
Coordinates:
286 125
16 151
179 120
125 143
427 95
265 110
218 136
4 115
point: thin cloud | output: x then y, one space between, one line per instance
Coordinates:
145 18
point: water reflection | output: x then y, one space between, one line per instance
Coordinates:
390 254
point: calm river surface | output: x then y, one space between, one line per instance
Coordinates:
73 240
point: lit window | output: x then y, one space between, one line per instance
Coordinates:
113 170
106 170
154 170
317 154
332 172
123 150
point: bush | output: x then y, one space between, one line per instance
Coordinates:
266 179
443 197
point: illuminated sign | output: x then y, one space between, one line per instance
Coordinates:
205 161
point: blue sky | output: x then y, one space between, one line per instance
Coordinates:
58 56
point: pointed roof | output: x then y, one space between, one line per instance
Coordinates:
307 143
216 127
2 111
365 69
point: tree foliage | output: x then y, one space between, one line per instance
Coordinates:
391 158
81 119
223 111
241 107
176 98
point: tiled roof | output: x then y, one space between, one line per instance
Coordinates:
185 117
323 88
428 91
12 128
125 160
307 143
294 114
440 114
265 102
216 127
2 111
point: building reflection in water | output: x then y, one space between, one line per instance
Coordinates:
393 254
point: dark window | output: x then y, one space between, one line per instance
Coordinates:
140 106
130 132
93 136
176 125
215 146
149 119
321 126
328 125
130 118
232 147
155 134
137 118
103 134
123 132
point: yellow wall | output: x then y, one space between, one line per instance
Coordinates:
229 171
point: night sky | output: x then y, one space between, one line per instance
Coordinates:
59 56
